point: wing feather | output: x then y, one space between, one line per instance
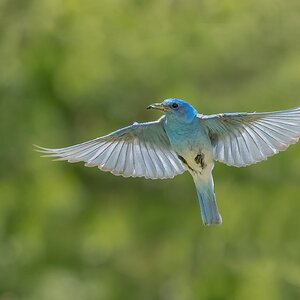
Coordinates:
139 150
241 139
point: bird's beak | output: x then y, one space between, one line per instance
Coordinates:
159 106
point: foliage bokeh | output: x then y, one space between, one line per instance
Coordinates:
73 70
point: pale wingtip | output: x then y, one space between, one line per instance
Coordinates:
46 152
40 148
36 147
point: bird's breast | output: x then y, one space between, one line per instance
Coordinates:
193 148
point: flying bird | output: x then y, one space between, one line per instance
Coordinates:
185 140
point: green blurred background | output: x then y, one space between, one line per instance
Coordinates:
73 70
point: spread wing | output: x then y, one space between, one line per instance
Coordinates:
241 139
139 150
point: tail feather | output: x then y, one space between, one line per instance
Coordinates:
207 200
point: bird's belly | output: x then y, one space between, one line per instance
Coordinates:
193 148
196 155
200 161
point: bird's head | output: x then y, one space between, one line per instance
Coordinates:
176 109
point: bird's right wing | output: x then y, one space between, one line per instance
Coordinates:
241 139
139 150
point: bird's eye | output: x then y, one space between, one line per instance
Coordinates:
174 105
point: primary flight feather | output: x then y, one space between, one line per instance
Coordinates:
184 140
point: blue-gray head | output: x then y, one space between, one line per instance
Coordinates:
176 109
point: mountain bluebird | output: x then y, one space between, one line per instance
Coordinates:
184 140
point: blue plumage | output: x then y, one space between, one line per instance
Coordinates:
184 140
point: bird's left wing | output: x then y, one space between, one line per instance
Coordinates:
139 150
241 139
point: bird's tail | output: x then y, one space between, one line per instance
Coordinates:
206 196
